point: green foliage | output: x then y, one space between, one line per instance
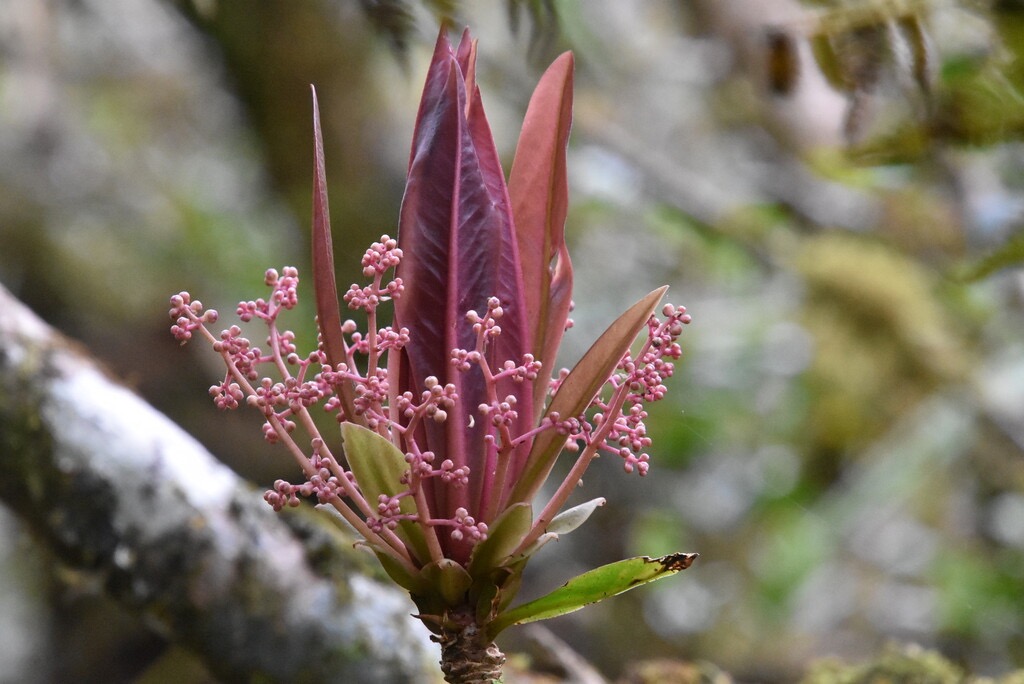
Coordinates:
980 594
883 338
897 665
1008 255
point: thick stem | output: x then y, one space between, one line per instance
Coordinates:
467 656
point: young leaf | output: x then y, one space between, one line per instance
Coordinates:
502 539
591 587
414 584
564 523
328 311
449 579
580 387
434 232
456 233
515 340
465 55
378 466
568 520
539 192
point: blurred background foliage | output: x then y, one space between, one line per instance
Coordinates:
834 189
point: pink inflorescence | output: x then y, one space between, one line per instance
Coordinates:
377 260
613 423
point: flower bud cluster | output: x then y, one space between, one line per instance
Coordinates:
466 527
389 511
286 400
614 421
381 257
487 329
377 260
487 325
188 316
434 403
284 295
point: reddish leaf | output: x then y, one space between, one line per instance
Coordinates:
326 289
540 197
433 88
515 339
465 55
580 387
456 233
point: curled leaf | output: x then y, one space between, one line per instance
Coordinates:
564 523
449 579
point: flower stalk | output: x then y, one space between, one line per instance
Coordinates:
449 417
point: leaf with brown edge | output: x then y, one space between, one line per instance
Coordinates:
539 191
591 587
328 311
580 387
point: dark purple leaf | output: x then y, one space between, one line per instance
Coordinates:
457 237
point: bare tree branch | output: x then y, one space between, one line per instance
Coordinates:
116 489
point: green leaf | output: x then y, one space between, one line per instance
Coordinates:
414 584
591 587
449 579
503 537
580 387
378 466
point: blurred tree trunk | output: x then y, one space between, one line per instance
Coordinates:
331 45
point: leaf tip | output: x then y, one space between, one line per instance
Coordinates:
676 561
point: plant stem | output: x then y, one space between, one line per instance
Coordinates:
467 656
